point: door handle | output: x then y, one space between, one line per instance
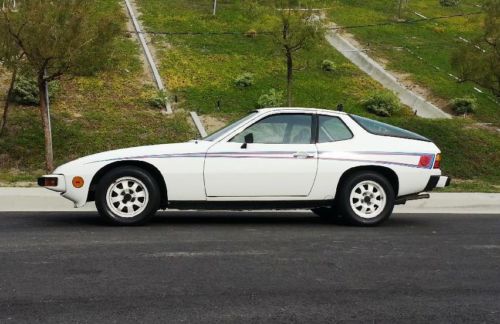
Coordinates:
303 155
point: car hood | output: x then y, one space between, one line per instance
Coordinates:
141 152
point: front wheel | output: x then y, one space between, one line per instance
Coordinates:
366 199
127 196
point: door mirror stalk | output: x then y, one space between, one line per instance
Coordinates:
248 139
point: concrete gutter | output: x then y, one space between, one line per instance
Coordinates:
377 72
198 124
151 62
39 199
147 52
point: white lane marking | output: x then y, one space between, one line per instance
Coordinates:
482 247
203 254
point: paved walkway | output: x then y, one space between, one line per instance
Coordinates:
39 199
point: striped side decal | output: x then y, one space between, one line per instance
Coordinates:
286 155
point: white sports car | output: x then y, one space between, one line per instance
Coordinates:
337 164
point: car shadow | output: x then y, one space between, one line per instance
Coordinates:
211 218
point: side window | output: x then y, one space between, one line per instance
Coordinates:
279 129
332 129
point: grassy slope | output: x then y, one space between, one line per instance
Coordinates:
200 70
434 42
90 114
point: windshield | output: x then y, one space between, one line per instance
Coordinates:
379 128
228 128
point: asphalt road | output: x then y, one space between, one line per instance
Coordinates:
248 267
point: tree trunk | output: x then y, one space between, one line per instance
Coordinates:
289 77
3 127
49 155
400 7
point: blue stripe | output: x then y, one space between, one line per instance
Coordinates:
274 155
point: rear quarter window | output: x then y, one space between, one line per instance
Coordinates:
378 128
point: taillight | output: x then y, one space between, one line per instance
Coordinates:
437 161
425 161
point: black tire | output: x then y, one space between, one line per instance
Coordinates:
344 196
149 205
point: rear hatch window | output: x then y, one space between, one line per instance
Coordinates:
379 128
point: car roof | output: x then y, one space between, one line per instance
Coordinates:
300 109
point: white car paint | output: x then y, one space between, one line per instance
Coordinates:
220 170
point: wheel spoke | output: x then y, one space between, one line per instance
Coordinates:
357 196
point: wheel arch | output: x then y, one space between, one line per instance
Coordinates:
391 176
148 167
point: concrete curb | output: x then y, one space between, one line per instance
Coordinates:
377 72
39 200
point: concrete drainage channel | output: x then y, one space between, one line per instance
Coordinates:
422 107
155 73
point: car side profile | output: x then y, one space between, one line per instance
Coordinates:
337 164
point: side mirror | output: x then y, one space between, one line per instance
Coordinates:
248 139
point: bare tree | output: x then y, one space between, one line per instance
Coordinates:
10 58
59 38
296 30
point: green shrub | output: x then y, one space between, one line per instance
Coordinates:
449 3
251 33
159 100
25 91
244 80
271 99
328 66
461 106
382 104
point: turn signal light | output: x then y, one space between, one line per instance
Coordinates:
437 161
77 182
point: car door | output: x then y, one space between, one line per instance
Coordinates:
278 159
334 144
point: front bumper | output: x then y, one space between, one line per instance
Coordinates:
436 181
54 182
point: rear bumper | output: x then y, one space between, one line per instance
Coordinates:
54 182
436 181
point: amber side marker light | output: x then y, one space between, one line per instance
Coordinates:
77 182
437 161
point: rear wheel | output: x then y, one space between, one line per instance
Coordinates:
366 198
127 196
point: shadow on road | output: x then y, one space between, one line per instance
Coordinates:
205 218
